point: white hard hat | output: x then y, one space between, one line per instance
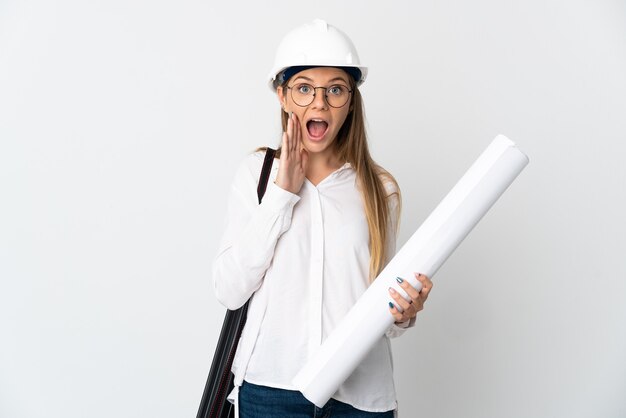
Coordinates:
317 44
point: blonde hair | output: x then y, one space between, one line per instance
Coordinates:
351 146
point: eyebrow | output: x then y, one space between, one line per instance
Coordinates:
330 81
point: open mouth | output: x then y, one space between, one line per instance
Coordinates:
316 128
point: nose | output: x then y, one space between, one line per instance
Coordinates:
319 98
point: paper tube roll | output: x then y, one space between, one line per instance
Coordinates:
428 248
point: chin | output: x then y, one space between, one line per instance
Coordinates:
316 146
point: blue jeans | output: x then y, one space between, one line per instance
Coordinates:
262 402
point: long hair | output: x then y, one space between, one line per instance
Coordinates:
351 146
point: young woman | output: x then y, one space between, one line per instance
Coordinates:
324 230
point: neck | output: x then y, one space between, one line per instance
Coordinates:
320 165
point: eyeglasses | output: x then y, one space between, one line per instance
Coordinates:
336 95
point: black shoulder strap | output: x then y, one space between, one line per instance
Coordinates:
265 173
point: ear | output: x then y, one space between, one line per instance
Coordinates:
281 97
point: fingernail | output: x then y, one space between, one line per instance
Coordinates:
392 291
399 280
391 305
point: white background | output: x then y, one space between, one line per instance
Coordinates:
122 122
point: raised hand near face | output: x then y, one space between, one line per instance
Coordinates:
293 158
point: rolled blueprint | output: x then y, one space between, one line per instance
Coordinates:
428 248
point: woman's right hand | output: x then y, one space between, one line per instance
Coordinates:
293 158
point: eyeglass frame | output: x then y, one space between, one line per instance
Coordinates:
325 94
